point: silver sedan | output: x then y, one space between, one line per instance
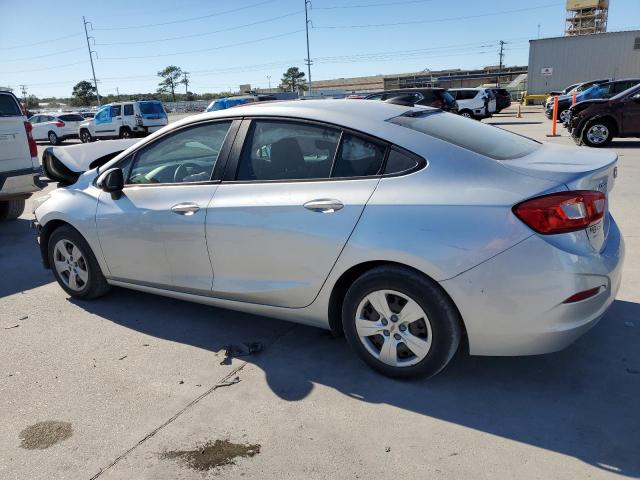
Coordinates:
405 228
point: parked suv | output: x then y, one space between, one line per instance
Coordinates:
124 120
55 128
428 97
19 166
603 90
596 122
475 103
568 92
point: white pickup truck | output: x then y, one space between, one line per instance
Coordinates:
19 167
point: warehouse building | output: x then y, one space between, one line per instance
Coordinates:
555 63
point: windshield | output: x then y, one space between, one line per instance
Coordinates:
484 139
628 91
151 107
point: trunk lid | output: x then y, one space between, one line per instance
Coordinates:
577 169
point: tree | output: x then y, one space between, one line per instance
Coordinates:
171 76
83 93
293 80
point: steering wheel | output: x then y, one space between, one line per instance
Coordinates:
182 171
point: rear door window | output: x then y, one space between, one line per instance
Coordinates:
116 110
128 109
478 137
358 157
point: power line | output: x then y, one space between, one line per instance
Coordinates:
371 5
47 68
438 20
181 37
173 22
49 40
220 47
43 56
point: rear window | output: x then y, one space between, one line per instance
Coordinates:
72 117
9 107
151 107
484 139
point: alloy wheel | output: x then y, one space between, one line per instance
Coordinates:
71 265
598 133
393 328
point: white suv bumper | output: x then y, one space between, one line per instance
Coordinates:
19 183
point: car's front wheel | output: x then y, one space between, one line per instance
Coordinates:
466 114
597 133
74 265
85 136
401 323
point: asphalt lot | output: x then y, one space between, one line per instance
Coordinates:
136 383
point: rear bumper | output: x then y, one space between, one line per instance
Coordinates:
513 303
20 183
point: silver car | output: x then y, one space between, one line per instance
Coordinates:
406 228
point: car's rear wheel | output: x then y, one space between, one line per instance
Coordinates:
85 136
125 132
53 138
597 133
466 113
400 322
11 209
74 265
563 117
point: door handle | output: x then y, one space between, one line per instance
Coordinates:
324 205
185 208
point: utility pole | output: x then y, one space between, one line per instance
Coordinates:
269 80
24 95
93 71
118 93
502 42
306 24
185 80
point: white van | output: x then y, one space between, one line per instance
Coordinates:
471 102
124 120
19 167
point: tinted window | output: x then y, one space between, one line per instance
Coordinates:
9 107
399 162
103 114
148 108
71 117
475 136
116 110
377 96
358 157
287 151
186 156
128 109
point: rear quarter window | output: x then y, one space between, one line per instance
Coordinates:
492 142
9 106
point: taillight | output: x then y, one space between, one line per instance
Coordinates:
33 148
59 124
562 212
578 297
437 104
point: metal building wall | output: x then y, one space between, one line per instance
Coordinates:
582 58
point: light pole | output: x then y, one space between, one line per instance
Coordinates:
306 24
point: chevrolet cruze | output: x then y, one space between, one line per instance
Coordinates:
405 228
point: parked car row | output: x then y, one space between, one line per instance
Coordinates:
475 103
115 120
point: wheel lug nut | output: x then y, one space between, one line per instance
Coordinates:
384 321
394 318
403 327
386 333
397 336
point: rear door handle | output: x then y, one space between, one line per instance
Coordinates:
324 205
185 208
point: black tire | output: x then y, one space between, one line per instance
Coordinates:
467 114
97 285
53 138
11 209
125 132
606 128
442 315
85 136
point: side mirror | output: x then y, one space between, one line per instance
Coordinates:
111 181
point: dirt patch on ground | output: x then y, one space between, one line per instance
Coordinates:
212 454
45 434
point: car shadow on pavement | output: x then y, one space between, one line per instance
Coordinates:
581 402
20 267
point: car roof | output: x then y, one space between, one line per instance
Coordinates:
469 88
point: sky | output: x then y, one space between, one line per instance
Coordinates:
227 43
